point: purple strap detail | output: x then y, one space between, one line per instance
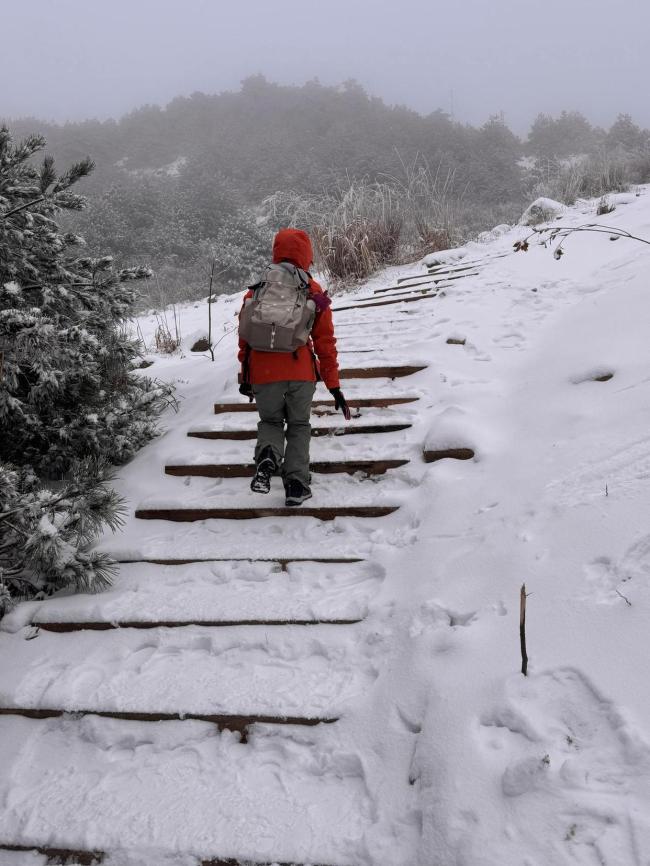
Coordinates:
322 300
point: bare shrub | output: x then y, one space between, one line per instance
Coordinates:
430 208
582 177
164 341
605 206
358 248
365 225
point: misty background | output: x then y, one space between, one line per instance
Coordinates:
386 130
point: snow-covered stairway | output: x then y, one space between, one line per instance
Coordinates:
374 416
187 647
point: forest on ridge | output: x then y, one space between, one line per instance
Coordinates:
210 177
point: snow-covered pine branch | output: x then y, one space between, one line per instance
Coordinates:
70 400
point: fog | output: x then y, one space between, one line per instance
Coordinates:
73 59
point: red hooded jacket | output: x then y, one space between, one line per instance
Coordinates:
319 355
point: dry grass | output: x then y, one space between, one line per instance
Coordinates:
165 342
366 225
356 249
589 177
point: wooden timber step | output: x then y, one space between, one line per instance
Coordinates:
61 627
406 300
81 857
343 430
60 856
224 722
380 372
432 455
476 263
444 278
409 291
328 512
247 470
425 281
353 403
281 562
354 323
440 271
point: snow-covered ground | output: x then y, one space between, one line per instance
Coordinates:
443 753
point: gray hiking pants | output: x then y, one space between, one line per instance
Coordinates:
290 402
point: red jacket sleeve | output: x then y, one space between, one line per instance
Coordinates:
324 341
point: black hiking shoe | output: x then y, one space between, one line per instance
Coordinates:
296 492
264 470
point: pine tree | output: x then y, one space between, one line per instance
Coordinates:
70 402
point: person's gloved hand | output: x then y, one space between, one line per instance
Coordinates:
247 390
341 403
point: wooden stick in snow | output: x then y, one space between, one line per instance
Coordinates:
522 630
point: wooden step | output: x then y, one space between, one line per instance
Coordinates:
187 515
412 278
410 291
380 372
247 470
424 281
282 563
431 456
61 627
354 323
452 269
80 857
224 722
343 430
444 278
406 300
353 403
60 856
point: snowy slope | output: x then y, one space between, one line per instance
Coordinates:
444 753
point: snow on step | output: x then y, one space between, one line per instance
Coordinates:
385 303
32 855
388 371
334 494
217 590
194 451
336 425
246 470
453 434
182 789
326 407
195 670
416 282
338 428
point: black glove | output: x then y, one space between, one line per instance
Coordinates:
247 390
341 403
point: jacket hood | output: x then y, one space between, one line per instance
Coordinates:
295 246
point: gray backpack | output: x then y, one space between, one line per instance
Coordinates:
280 314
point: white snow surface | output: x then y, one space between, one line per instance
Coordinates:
444 753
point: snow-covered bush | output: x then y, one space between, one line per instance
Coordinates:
586 176
69 397
45 535
542 210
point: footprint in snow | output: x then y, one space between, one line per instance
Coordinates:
575 776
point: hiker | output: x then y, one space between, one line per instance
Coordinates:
287 344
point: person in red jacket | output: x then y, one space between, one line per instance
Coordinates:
283 384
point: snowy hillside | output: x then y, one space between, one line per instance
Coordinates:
347 691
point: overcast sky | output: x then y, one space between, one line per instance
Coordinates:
73 59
